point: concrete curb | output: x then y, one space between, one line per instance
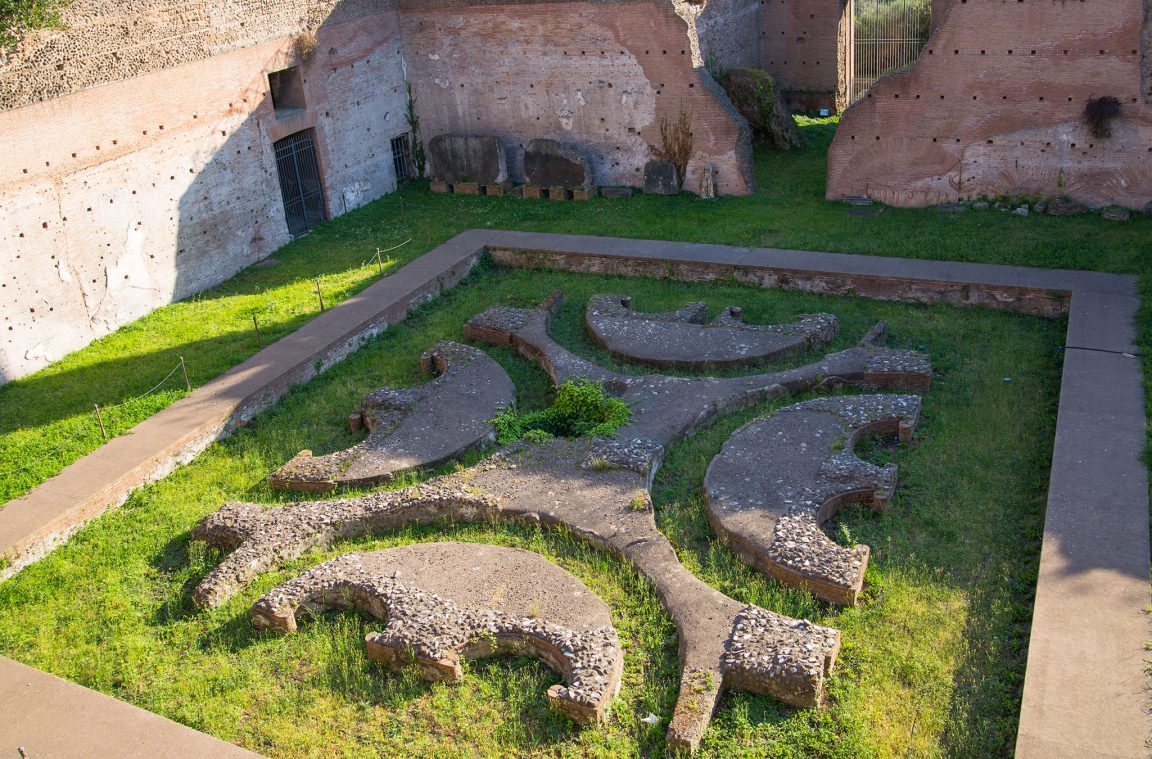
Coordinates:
49 717
1085 688
1085 691
34 524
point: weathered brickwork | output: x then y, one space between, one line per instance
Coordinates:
120 198
806 48
994 106
729 32
102 42
598 74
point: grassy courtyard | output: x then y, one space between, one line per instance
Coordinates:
46 419
933 658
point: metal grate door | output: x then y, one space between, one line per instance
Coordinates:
300 181
888 36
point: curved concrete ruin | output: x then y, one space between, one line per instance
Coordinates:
416 427
681 339
778 479
600 490
441 601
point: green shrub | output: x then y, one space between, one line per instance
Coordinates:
581 408
18 17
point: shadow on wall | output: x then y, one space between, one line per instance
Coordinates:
316 145
167 183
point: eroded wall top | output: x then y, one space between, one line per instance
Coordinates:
105 41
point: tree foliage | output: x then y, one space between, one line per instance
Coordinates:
18 17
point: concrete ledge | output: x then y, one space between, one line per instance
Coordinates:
1085 688
1085 691
49 717
34 524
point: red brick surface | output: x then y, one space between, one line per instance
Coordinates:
994 106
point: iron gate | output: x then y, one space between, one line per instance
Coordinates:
888 36
300 181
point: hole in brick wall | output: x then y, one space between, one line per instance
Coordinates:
287 89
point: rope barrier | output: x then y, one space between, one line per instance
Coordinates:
86 426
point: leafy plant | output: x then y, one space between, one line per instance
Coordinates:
418 155
18 17
714 67
676 142
581 408
304 45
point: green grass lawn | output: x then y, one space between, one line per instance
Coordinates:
46 419
933 657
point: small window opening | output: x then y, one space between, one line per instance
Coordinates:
287 89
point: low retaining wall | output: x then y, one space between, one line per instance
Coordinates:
1085 690
34 524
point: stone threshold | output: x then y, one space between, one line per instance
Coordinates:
1085 691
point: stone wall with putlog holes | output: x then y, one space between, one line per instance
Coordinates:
601 75
120 196
994 107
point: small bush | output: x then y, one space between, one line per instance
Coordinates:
18 17
676 142
304 45
581 408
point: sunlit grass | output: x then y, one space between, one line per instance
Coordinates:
933 657
213 331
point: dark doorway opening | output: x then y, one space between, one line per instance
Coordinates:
402 158
300 181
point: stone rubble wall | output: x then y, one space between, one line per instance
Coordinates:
993 106
102 42
730 32
597 74
120 198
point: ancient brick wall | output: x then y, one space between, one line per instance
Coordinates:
729 31
803 43
119 198
597 74
104 42
994 106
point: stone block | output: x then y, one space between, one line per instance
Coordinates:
1116 213
550 163
497 189
437 186
532 191
584 194
454 158
466 188
558 193
661 178
616 192
1066 207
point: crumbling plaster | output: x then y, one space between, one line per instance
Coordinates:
600 75
109 212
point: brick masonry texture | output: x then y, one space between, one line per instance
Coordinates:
994 104
120 198
600 75
139 166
